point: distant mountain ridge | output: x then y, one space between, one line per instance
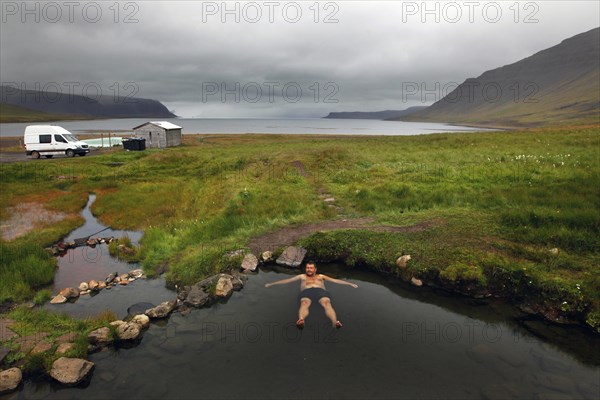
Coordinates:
387 114
80 106
558 84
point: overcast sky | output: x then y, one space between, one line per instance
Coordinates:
342 55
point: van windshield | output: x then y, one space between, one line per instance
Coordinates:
71 138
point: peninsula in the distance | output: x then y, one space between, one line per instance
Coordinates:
387 114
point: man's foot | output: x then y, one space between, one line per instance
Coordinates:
337 325
300 323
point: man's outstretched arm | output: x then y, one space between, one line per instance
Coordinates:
340 281
283 281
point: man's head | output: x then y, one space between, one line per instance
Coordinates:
311 268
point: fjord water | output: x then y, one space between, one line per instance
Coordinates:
397 341
272 126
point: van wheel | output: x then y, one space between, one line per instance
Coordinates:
35 154
50 156
70 153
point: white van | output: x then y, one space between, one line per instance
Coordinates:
52 140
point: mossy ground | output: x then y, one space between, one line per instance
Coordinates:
505 198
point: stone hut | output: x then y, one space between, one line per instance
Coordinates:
159 134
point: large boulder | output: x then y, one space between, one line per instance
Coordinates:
128 331
101 336
249 263
162 310
224 286
10 379
196 296
71 371
69 293
292 256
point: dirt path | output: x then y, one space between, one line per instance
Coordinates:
289 235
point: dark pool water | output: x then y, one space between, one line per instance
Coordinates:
397 342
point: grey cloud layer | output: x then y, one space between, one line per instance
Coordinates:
369 54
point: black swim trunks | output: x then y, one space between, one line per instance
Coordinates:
314 294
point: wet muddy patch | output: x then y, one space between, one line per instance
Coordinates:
25 217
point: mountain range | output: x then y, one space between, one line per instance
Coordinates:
560 84
26 105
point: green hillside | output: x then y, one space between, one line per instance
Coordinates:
559 85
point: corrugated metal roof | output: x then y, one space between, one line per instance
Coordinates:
163 124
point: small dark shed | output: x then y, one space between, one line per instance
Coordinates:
159 134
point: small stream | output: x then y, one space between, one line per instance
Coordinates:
82 264
397 342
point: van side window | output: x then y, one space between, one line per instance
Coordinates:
45 138
60 139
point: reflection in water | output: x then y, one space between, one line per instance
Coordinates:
82 264
397 342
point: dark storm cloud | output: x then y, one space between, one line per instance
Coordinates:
177 51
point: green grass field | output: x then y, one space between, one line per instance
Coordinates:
495 204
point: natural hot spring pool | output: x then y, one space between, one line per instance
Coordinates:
397 342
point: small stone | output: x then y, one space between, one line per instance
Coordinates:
93 285
128 331
58 299
142 320
250 262
416 282
117 323
100 336
84 292
124 277
196 296
70 293
124 283
292 256
66 338
83 286
162 310
329 200
267 256
71 371
224 286
403 260
554 251
10 379
65 348
111 277
101 285
41 347
136 273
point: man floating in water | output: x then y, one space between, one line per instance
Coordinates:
312 286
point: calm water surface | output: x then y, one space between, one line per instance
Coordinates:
397 342
309 125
